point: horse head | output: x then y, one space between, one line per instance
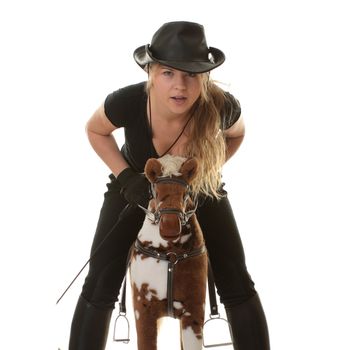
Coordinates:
170 178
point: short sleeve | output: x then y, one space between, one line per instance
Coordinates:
231 111
121 104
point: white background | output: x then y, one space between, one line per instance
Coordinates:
287 63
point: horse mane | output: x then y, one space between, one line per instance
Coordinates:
171 165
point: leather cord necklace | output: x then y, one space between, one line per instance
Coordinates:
150 124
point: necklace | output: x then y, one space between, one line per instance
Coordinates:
178 137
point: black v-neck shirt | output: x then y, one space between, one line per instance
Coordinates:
127 108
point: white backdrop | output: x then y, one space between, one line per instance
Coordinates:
287 63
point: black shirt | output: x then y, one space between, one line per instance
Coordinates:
127 108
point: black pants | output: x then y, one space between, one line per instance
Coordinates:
107 268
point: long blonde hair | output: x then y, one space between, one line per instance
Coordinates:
206 141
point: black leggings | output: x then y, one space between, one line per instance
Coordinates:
107 268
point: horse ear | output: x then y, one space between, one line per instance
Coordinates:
189 169
153 169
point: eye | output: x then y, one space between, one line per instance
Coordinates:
192 75
168 73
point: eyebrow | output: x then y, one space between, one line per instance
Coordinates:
166 67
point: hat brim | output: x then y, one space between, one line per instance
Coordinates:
143 56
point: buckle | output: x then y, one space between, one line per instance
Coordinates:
172 257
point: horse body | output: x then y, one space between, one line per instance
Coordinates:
150 275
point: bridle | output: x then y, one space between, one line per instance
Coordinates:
170 257
156 215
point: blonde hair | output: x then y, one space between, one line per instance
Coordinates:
206 141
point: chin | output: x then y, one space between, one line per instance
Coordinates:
179 109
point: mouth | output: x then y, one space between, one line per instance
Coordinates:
179 99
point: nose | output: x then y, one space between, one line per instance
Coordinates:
170 226
180 81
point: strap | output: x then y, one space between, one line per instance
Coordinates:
154 216
122 304
212 293
170 289
170 256
171 179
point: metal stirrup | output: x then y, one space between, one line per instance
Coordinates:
214 312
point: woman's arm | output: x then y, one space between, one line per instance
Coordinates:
99 131
234 137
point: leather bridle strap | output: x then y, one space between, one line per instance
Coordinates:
122 304
184 216
171 179
212 293
155 216
170 256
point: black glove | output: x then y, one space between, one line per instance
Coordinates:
134 187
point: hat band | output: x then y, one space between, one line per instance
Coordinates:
178 55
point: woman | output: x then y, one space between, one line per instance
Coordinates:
179 111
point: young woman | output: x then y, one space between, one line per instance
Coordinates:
179 111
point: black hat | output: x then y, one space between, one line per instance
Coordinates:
180 45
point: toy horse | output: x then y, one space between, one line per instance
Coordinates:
168 267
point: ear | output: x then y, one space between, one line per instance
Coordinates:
189 169
153 169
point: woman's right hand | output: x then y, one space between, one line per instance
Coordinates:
134 187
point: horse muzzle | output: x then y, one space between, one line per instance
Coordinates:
170 226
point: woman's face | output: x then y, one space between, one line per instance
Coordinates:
174 91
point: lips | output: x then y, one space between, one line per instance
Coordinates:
179 99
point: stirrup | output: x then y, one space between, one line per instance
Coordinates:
210 343
122 319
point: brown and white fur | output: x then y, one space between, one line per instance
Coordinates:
149 275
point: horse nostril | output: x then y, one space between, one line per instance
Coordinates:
169 226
